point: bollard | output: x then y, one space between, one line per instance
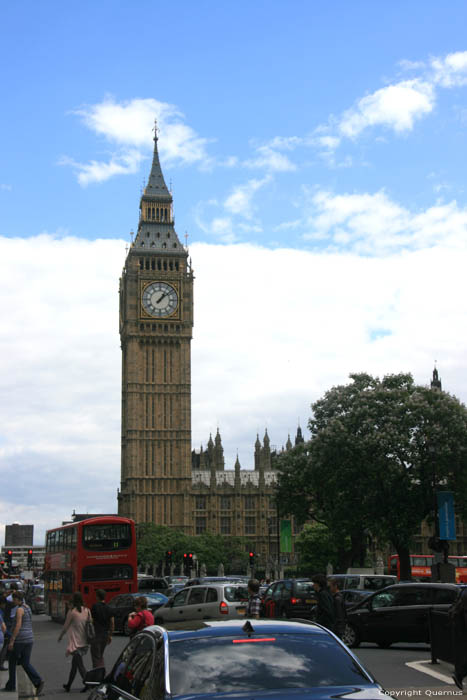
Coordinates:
24 686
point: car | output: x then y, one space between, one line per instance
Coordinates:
235 659
122 605
35 598
367 582
176 580
212 601
291 597
5 583
398 613
351 597
214 579
148 584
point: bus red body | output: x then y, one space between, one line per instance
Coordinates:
421 566
85 556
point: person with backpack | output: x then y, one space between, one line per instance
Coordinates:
141 617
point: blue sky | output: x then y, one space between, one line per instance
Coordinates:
316 152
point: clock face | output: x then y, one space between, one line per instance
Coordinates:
160 299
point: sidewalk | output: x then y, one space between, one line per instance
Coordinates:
24 687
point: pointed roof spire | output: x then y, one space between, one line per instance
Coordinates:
436 381
156 187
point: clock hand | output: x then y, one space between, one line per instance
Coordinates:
160 298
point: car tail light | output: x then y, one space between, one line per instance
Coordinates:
294 600
223 608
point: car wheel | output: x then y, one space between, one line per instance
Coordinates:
384 644
350 636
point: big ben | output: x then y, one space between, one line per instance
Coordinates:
156 322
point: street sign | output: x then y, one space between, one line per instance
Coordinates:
447 524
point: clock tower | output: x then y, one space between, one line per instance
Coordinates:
156 321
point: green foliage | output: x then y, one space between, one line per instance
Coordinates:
153 541
317 548
379 449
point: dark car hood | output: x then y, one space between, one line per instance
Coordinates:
373 692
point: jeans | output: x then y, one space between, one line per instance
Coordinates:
21 656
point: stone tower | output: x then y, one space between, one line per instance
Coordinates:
156 321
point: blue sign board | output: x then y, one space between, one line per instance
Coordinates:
447 525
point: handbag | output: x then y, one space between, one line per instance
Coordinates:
89 628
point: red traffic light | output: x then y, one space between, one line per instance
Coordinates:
252 554
190 555
29 551
10 552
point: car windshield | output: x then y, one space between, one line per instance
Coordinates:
304 587
156 598
235 593
229 665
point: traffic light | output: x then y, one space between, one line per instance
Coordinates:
251 556
168 557
9 557
29 558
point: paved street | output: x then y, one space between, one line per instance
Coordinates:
404 670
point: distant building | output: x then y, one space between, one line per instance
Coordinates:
17 535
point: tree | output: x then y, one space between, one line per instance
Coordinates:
379 450
317 548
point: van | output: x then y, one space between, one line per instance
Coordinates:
363 582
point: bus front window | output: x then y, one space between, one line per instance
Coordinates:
107 537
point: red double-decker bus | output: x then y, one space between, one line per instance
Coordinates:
421 566
87 555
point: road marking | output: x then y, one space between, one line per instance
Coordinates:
421 666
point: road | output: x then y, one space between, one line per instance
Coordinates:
389 666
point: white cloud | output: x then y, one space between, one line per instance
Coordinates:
273 330
450 71
128 126
240 200
372 224
269 159
396 107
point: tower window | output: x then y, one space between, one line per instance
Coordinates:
168 235
158 264
175 245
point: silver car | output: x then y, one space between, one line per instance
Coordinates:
214 601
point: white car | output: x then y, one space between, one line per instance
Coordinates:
213 601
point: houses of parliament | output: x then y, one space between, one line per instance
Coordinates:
162 480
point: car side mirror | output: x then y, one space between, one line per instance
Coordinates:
94 677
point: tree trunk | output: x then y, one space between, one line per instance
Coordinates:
404 559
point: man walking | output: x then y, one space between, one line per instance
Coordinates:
104 626
253 608
325 608
339 611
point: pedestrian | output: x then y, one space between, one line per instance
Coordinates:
339 610
20 645
458 618
104 626
253 609
325 606
4 647
141 617
2 627
75 629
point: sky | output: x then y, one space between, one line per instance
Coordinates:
316 153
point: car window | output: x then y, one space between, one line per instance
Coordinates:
235 593
197 596
352 582
304 587
383 600
277 592
444 595
211 665
269 591
413 596
132 673
211 595
181 597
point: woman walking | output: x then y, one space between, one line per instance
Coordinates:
20 644
75 628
